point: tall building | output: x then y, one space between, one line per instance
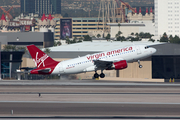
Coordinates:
41 6
27 6
167 13
56 6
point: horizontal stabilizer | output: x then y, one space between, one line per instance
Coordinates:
41 71
47 70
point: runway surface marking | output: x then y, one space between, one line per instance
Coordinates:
83 83
89 109
88 93
159 103
154 98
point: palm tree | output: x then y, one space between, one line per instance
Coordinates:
118 34
47 50
170 37
137 35
80 39
164 38
151 40
119 26
58 43
87 38
67 40
141 34
108 36
98 35
9 48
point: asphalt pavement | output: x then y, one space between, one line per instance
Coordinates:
88 99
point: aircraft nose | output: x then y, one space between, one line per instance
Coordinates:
153 50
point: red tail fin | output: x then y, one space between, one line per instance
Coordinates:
39 57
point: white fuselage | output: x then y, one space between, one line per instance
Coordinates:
86 63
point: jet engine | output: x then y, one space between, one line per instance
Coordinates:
119 65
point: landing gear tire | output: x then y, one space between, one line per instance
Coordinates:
102 75
140 66
96 75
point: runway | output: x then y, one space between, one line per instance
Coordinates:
89 109
103 99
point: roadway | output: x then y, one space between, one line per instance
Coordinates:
88 99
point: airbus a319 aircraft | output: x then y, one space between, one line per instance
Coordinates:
113 59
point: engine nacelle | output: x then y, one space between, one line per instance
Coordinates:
119 65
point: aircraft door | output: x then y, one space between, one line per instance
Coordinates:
138 50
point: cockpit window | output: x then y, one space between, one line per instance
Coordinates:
146 47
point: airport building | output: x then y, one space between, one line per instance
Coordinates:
42 39
10 61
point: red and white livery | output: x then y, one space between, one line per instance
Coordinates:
113 59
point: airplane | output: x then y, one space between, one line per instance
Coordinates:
115 59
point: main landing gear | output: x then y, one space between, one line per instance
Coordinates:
140 66
96 75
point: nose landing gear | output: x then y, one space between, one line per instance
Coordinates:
140 66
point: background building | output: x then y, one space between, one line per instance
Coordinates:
27 6
126 28
137 23
41 6
56 9
80 27
167 13
10 62
22 32
43 39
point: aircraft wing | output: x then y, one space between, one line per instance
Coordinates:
102 64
